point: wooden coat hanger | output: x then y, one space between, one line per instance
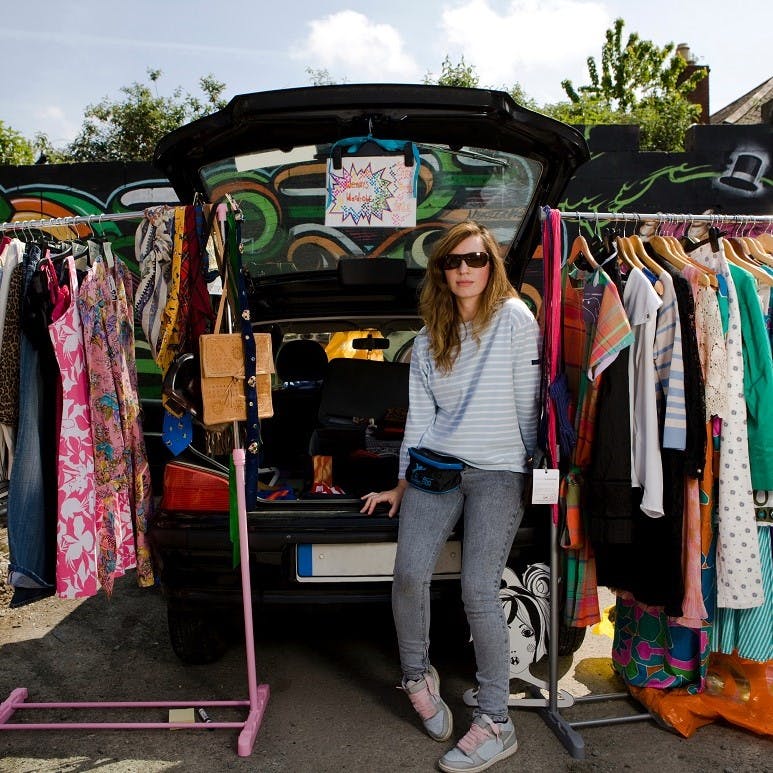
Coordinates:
766 242
754 250
644 258
750 247
580 247
627 248
664 248
732 256
625 252
739 247
677 248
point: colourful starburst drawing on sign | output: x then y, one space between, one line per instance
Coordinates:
359 194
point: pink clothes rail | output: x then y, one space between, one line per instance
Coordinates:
258 694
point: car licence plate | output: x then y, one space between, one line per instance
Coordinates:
365 562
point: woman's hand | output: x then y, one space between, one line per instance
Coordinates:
393 497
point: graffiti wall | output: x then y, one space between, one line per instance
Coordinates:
725 169
63 190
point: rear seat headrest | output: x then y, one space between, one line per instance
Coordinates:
301 360
363 389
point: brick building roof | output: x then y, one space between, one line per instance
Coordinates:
748 108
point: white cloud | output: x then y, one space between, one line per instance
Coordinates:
56 124
535 43
350 45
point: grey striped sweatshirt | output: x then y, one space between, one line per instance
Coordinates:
485 411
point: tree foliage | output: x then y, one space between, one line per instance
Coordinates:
463 75
633 73
638 82
459 74
128 128
586 112
14 148
521 97
320 76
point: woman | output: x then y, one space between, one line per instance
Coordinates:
474 395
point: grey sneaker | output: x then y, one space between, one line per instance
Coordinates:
485 743
425 697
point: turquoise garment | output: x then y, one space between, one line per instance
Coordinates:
758 379
769 320
769 311
750 631
353 144
724 302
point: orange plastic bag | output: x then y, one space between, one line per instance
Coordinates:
737 691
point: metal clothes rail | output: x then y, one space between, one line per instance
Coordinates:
25 225
566 731
258 694
666 217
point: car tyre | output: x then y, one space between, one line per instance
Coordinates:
570 639
197 637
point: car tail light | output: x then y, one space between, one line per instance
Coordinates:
194 489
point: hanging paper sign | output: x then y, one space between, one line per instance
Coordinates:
371 191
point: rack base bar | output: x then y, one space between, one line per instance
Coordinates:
565 732
607 696
619 720
132 704
611 720
252 723
16 701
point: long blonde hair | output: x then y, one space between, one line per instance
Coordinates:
437 304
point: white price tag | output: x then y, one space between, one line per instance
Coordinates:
544 490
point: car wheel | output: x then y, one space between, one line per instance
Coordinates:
197 637
570 639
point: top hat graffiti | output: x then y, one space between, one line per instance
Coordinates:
744 173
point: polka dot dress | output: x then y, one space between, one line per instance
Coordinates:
739 577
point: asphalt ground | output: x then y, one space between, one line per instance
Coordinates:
333 706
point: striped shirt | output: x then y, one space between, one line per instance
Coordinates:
669 369
485 410
595 331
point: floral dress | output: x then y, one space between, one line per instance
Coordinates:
76 530
122 477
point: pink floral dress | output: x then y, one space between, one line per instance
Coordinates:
76 529
125 370
122 477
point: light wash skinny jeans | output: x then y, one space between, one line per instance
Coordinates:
492 502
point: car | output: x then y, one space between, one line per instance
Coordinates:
336 286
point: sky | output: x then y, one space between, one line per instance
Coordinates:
60 57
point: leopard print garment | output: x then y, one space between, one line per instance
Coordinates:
10 352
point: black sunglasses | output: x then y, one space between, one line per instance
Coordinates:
473 259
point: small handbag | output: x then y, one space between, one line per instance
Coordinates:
432 472
221 360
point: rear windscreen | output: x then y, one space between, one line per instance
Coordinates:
306 208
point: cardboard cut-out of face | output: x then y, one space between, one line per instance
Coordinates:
527 610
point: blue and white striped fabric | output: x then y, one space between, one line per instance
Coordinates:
750 631
669 369
485 410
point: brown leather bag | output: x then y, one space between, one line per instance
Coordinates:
221 360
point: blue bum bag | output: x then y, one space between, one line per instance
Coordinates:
433 472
